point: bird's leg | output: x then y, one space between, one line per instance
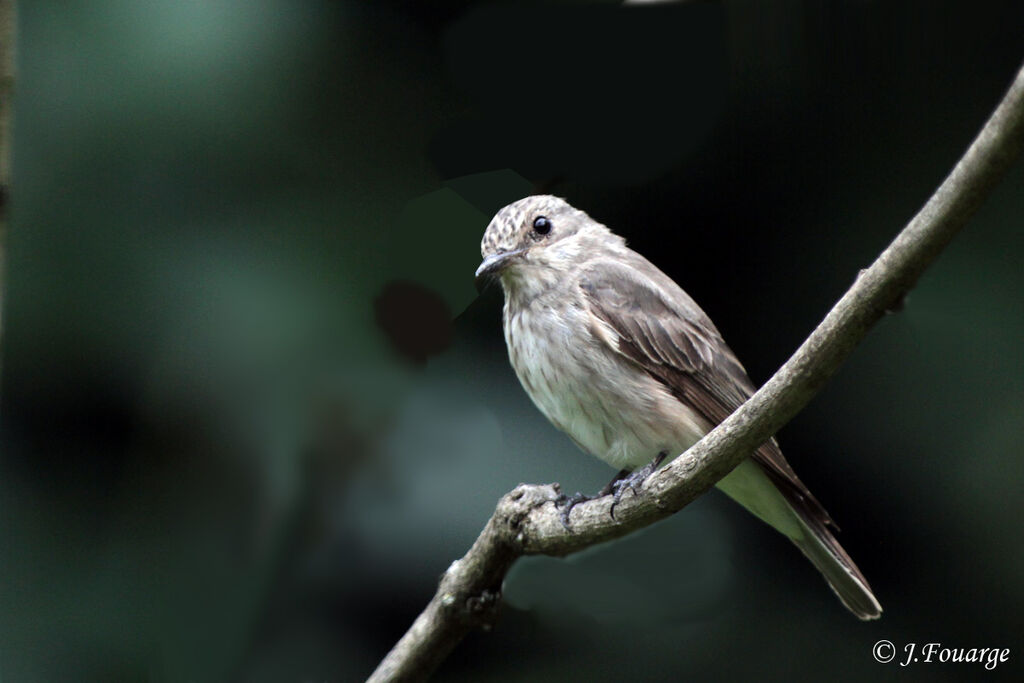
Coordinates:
636 478
610 486
567 503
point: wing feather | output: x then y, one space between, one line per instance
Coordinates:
661 329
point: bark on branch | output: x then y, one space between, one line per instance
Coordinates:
526 521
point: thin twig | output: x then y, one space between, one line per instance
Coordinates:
526 521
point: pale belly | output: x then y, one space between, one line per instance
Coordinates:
611 408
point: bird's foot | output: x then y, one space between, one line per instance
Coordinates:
632 481
616 487
567 503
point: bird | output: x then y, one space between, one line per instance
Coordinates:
616 355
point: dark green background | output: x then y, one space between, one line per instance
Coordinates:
242 436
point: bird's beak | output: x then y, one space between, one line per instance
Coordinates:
492 265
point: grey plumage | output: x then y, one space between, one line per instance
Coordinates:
620 358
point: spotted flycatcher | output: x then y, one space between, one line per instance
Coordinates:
619 357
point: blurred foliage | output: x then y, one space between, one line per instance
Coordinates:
252 408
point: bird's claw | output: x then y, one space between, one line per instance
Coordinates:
567 503
632 481
629 483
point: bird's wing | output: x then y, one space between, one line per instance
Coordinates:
656 325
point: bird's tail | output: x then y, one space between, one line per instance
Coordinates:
797 515
820 547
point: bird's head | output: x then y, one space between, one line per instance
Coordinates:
536 239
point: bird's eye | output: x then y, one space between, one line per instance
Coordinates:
541 225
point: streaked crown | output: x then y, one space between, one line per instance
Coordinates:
513 227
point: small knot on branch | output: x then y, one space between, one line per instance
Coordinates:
516 505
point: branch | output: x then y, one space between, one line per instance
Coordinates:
526 521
